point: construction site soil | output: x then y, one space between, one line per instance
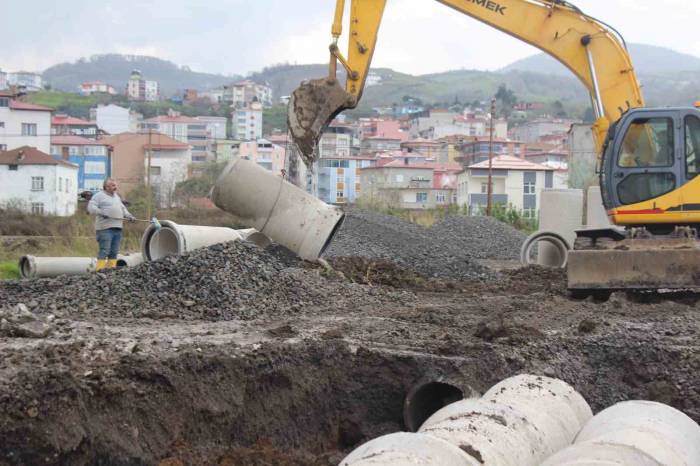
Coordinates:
232 355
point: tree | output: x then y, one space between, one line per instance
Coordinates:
505 99
559 110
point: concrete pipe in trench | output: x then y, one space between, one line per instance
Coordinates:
173 239
39 267
518 422
642 433
276 208
426 398
408 449
129 260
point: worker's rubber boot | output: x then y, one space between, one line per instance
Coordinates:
112 264
101 264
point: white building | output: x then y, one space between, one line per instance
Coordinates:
24 124
113 119
216 127
3 80
37 183
245 92
190 130
515 182
248 122
141 90
534 130
96 86
31 82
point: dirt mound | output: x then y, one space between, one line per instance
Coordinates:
222 282
427 251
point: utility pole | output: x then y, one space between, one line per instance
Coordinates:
148 174
489 195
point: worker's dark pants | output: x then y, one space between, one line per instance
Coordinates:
109 240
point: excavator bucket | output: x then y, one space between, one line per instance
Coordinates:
312 106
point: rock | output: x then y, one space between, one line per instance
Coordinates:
33 329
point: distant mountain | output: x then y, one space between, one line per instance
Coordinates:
647 59
115 69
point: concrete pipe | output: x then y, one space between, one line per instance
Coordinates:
408 449
276 208
561 212
657 432
39 267
426 398
557 255
172 238
254 236
519 422
596 215
129 260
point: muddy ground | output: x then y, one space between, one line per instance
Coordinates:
306 388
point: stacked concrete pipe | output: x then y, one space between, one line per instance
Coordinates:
518 422
129 260
276 208
40 267
639 433
561 214
175 239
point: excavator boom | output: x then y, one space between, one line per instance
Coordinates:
587 47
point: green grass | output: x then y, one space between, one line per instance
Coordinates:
9 270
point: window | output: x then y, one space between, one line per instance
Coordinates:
639 187
4 102
155 171
28 129
92 185
339 194
3 147
13 168
529 213
37 183
647 143
2 123
94 150
37 208
67 185
94 168
398 178
74 150
440 198
421 197
484 188
60 184
529 187
692 146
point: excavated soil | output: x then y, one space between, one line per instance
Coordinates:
278 362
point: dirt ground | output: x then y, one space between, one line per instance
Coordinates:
306 389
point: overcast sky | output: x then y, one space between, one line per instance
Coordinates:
239 36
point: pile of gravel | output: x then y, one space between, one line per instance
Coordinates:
480 237
433 252
226 281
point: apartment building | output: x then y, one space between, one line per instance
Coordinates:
263 152
533 131
25 80
339 178
113 119
188 130
36 183
23 124
243 93
141 90
475 150
65 125
3 80
336 141
169 162
248 122
215 127
515 182
92 157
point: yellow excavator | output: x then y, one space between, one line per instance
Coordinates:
648 157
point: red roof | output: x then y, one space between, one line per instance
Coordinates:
26 155
508 162
68 120
19 105
70 140
173 119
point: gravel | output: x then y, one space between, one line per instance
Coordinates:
223 282
449 249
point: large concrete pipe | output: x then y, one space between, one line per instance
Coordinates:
38 267
518 422
129 260
426 398
254 236
655 433
596 216
173 238
276 208
408 449
561 212
553 240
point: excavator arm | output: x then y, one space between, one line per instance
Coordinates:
590 49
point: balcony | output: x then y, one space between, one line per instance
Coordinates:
482 199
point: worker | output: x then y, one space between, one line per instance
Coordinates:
110 213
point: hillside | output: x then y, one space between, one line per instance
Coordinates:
115 69
647 59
